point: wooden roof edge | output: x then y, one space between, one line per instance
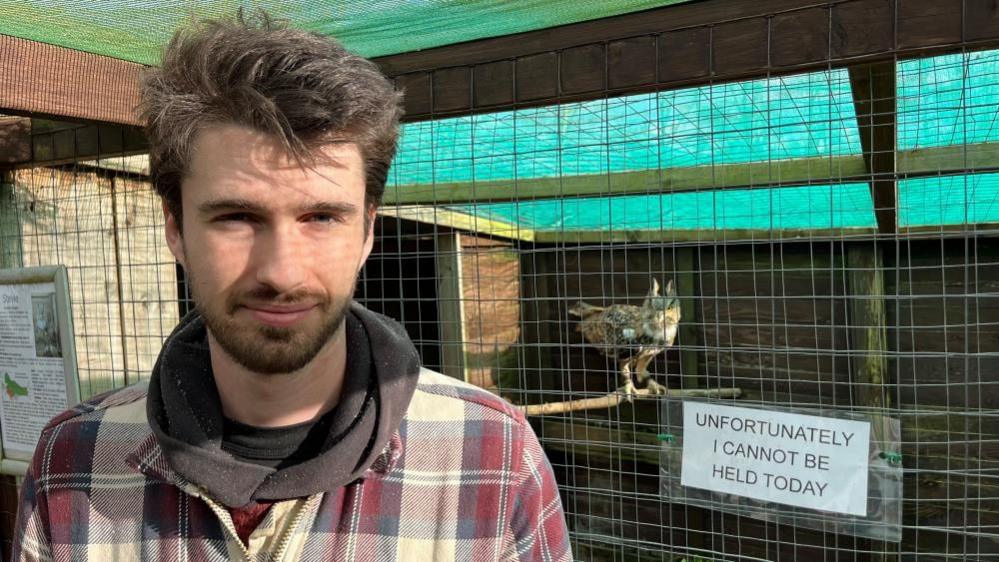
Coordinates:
41 79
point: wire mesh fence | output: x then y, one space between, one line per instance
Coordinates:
830 236
107 231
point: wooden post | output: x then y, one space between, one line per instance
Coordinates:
450 302
873 87
868 325
869 347
119 281
686 288
11 250
874 99
536 318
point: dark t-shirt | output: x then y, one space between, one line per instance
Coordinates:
276 447
280 447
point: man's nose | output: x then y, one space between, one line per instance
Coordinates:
281 260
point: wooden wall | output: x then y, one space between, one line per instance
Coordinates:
772 320
943 318
399 280
491 290
785 323
108 232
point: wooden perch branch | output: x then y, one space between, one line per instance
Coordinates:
615 398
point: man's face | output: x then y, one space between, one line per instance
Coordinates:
272 251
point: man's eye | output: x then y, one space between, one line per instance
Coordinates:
325 218
234 217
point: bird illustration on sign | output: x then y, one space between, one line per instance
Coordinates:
12 388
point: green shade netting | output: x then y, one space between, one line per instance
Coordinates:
800 207
807 115
930 201
134 30
948 100
781 118
940 200
944 100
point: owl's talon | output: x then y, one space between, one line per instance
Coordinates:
655 388
629 391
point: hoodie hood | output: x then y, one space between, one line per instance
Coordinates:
185 413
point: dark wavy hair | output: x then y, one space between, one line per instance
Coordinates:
302 89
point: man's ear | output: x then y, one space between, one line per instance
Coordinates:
174 237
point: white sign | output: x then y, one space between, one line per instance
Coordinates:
33 383
794 459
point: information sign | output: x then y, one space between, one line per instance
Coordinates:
37 355
794 459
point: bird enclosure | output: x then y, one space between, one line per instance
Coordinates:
813 187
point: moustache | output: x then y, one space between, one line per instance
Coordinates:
263 297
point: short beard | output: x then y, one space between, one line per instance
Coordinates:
270 350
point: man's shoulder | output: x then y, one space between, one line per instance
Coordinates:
440 397
124 405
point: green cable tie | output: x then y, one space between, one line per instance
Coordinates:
667 437
891 457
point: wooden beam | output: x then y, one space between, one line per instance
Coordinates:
695 236
873 88
450 304
815 170
776 173
689 338
691 43
41 79
581 438
948 159
696 43
950 231
869 352
868 321
60 142
26 142
135 166
460 221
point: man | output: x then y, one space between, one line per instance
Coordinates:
282 421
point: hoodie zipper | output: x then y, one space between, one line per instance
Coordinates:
226 519
303 509
283 540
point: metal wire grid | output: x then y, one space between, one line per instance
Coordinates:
792 318
775 316
107 230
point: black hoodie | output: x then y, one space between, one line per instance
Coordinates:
185 414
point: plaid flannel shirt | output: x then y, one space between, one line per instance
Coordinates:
464 478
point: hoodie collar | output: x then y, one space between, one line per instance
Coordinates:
185 415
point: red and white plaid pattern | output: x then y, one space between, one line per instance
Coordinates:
464 478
